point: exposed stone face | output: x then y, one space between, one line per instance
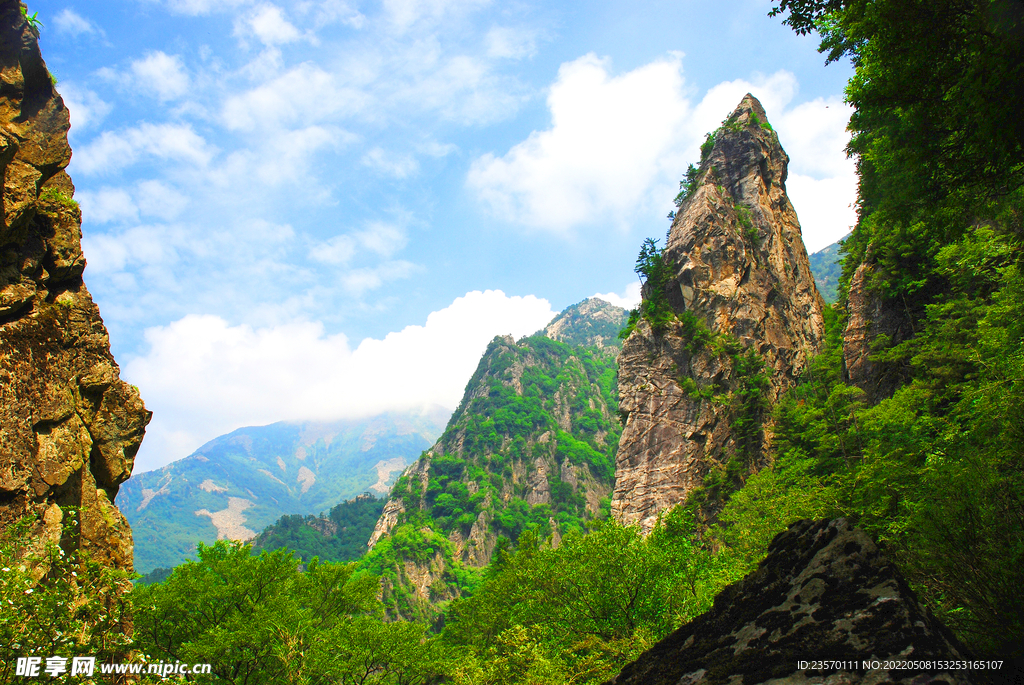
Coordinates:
739 265
824 592
870 316
69 427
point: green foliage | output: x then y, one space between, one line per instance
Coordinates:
707 146
32 19
261 619
655 274
58 602
688 186
341 536
747 227
579 612
934 470
54 196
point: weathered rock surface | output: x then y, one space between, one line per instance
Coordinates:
740 267
69 427
869 316
823 593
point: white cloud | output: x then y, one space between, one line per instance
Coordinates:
284 158
338 11
609 139
268 23
202 7
107 205
115 150
304 94
71 22
617 146
85 107
161 74
139 246
504 42
157 199
824 207
358 281
628 300
150 198
399 166
203 377
381 238
403 14
338 250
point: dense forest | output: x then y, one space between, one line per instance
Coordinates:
928 458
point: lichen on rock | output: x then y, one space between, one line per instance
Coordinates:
69 427
824 594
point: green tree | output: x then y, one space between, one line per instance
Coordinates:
261 619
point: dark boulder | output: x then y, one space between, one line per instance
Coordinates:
823 594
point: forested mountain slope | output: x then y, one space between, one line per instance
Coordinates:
531 447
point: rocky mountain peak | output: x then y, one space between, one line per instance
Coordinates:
744 318
590 322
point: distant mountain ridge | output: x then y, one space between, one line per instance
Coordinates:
827 267
590 322
236 485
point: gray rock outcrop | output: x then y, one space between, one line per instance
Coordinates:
825 594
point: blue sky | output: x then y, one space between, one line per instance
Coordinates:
326 208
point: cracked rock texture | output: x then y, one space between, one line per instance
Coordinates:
69 427
824 592
739 265
871 315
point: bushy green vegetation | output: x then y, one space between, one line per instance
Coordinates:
340 536
935 470
58 602
260 619
580 611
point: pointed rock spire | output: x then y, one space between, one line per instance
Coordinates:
739 281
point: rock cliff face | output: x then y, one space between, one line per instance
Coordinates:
823 593
69 427
740 282
869 317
